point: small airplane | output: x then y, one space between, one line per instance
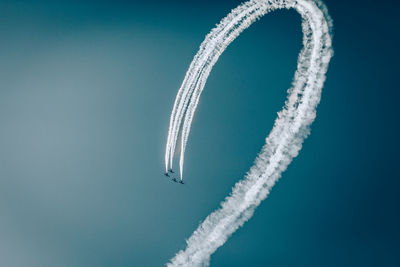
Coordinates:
181 182
175 180
171 171
166 174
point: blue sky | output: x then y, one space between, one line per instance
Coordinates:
85 96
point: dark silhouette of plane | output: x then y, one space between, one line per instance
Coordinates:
166 174
181 182
171 171
175 180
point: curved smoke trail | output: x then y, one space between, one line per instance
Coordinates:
286 137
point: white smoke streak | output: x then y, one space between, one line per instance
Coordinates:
188 85
286 137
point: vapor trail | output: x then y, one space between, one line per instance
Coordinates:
286 137
190 82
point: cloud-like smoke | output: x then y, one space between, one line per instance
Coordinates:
285 139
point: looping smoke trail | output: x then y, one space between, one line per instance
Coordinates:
286 137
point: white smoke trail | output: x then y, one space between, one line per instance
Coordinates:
191 79
286 137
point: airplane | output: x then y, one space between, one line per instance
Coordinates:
171 171
166 174
175 180
181 182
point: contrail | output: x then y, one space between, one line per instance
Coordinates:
286 137
189 84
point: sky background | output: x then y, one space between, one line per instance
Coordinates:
86 90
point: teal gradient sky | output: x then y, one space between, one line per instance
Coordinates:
86 89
